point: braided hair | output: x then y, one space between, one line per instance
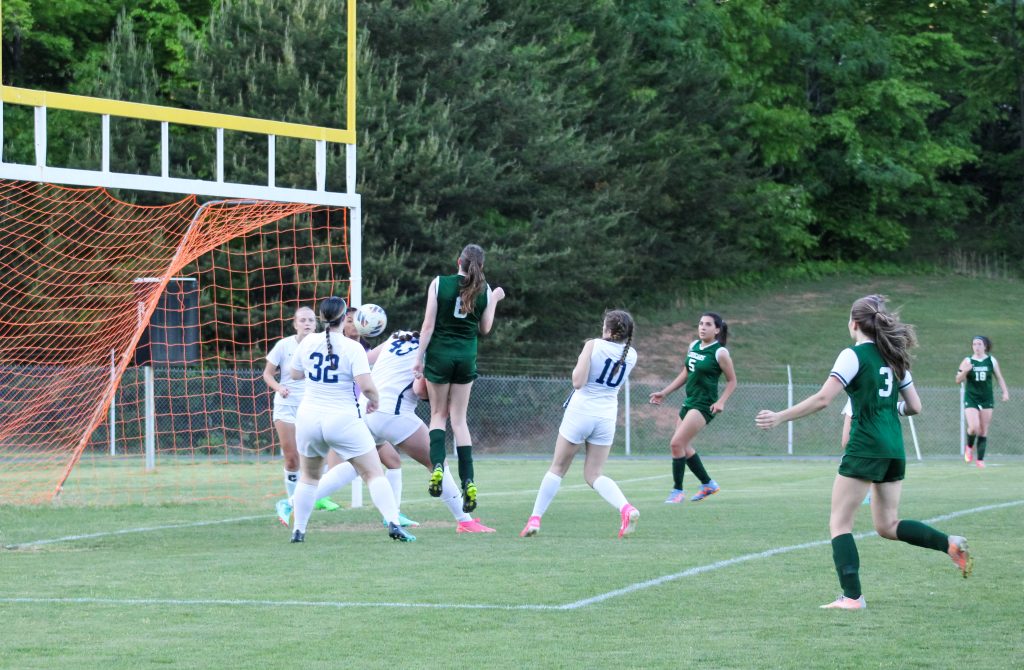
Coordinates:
332 313
893 338
471 261
619 325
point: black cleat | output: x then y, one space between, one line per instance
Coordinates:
434 488
298 536
396 532
469 497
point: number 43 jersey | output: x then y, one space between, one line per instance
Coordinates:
600 395
875 431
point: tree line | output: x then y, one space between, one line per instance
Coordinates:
605 153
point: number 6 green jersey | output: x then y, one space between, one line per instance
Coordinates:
875 431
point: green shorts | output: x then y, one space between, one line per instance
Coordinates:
446 369
877 470
972 403
705 412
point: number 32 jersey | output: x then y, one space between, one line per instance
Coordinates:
875 431
600 394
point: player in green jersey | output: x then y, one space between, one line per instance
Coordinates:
460 307
706 361
975 373
875 373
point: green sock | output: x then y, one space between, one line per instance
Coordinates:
437 450
982 444
844 555
697 468
970 440
678 470
921 535
465 455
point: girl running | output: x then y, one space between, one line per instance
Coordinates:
590 414
706 361
875 372
976 372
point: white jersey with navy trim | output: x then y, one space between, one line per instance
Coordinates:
599 396
393 376
281 356
330 380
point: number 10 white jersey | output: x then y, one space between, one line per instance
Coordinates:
600 395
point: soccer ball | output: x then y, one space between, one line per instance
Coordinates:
370 320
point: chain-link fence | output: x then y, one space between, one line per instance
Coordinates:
217 413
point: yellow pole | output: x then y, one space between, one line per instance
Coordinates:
350 83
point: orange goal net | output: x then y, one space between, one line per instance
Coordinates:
133 339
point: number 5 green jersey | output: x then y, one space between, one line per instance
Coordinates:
704 372
875 431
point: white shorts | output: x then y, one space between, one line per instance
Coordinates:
317 431
393 428
580 428
285 413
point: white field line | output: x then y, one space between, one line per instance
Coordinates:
129 531
608 595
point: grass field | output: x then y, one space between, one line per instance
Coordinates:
732 582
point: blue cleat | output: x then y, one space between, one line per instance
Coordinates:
284 512
396 532
706 490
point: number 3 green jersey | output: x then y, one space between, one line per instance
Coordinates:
875 431
978 385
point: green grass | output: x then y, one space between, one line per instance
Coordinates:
804 324
237 594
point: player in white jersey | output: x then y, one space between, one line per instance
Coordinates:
590 414
329 418
288 395
395 422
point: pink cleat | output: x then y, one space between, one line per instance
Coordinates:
844 603
968 454
473 526
960 555
532 526
979 463
630 515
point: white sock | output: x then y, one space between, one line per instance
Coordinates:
290 478
609 490
395 479
452 496
546 493
383 498
302 504
336 477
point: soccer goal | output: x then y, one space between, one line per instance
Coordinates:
133 336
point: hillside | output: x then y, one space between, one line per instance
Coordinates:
804 324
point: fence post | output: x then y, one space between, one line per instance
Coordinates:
789 403
113 402
150 404
628 446
963 419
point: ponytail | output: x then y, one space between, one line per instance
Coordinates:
332 313
619 324
471 261
893 338
721 325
